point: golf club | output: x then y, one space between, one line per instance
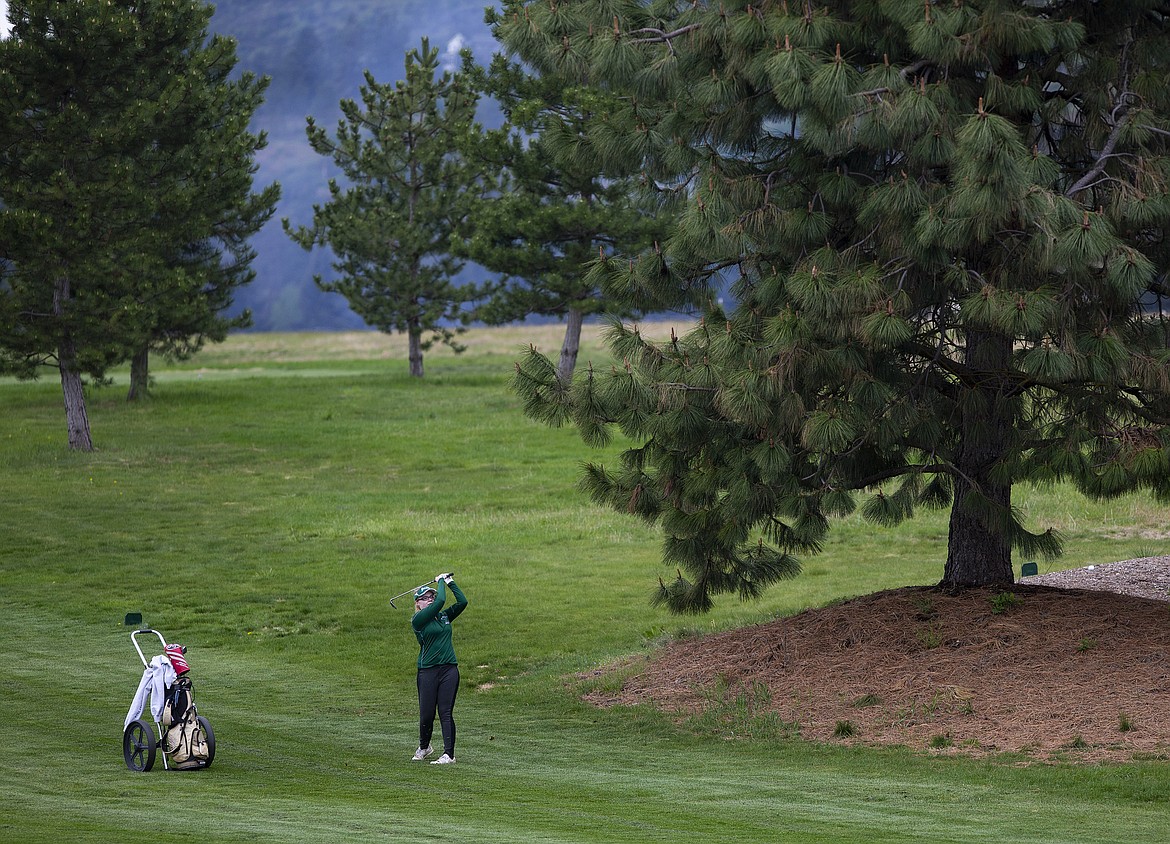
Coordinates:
412 591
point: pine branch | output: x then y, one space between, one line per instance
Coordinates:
661 36
904 469
907 72
1115 135
938 360
1099 165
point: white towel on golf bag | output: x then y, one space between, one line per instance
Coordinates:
155 679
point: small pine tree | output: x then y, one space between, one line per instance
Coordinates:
408 187
560 210
949 224
210 117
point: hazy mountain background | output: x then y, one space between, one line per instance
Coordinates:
315 52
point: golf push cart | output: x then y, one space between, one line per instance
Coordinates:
184 735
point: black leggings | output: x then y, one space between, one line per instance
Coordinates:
437 688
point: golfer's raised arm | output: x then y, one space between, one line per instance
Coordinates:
460 600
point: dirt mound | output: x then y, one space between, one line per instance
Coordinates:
1048 672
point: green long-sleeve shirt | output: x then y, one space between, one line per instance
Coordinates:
432 628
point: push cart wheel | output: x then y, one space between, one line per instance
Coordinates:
205 725
138 744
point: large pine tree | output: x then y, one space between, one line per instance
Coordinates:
407 191
116 152
947 225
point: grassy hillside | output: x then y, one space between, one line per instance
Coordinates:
278 489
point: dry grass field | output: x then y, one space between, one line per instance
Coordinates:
323 346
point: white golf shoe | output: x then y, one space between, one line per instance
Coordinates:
444 760
422 753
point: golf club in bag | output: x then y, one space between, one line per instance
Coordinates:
412 591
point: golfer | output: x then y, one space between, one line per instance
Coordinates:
438 672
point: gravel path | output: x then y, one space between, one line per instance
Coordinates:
1147 577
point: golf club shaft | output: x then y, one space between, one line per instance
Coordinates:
412 591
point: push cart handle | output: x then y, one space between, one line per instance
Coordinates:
138 647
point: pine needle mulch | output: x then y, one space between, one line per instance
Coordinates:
1051 674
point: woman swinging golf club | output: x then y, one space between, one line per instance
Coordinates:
438 672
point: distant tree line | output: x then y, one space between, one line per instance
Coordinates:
427 189
128 203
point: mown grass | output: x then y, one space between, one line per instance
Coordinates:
264 505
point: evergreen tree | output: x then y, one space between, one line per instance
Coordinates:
948 224
209 124
403 153
108 166
560 208
202 279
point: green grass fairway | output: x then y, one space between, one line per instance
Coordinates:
263 506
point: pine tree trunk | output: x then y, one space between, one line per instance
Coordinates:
978 551
571 346
139 375
415 353
76 417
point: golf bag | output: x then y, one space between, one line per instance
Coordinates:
185 736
